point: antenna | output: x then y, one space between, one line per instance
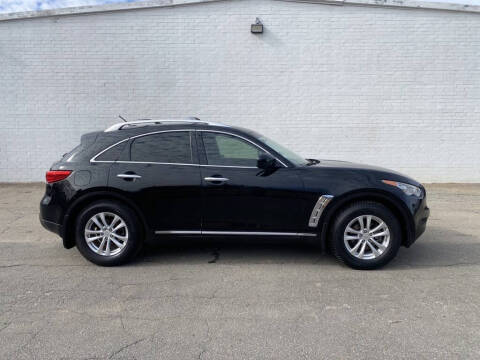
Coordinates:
121 117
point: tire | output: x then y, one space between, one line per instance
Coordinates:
113 247
385 239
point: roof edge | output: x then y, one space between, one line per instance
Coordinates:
79 10
408 4
89 9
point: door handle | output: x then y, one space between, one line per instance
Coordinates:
218 180
129 176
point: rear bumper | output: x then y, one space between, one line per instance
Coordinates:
57 229
51 226
51 216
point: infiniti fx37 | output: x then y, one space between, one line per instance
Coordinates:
140 181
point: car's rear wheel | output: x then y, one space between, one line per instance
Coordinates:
366 235
108 233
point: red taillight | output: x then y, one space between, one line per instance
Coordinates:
56 175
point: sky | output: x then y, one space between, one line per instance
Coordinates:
9 6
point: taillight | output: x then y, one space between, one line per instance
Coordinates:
56 175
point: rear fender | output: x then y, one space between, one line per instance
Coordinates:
86 198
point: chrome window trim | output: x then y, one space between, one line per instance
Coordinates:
178 164
208 232
152 163
92 160
161 131
243 138
162 163
318 209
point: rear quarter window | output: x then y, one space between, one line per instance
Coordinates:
112 154
71 155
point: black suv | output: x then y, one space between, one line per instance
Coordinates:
143 180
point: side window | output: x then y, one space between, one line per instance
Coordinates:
112 154
167 147
227 150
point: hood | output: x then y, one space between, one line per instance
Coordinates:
377 171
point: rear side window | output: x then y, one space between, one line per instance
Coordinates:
167 147
112 154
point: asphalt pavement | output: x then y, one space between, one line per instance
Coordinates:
233 299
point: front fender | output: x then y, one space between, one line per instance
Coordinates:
397 206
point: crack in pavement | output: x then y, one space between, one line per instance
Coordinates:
441 265
10 266
23 347
123 348
206 342
45 265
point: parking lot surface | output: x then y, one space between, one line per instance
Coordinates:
232 299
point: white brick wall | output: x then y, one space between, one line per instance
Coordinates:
392 87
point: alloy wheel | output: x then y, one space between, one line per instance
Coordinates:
106 234
366 237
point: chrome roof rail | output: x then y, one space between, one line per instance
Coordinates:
189 120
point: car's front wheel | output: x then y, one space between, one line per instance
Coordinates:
108 233
366 235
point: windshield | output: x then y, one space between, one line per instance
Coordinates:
295 159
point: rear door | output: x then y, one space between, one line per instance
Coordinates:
160 172
246 198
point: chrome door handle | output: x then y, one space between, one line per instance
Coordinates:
129 176
216 179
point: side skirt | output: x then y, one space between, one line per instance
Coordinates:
242 233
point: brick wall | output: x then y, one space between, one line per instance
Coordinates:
392 87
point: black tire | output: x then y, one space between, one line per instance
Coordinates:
336 240
135 234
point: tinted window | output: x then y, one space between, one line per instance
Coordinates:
227 150
113 153
168 147
70 156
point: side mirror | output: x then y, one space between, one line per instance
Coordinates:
266 161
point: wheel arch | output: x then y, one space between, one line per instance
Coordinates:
382 197
89 197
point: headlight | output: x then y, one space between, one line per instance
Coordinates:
406 188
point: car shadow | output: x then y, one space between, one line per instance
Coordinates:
438 247
231 251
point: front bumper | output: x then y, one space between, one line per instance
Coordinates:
421 225
420 220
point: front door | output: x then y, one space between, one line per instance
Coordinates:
160 173
239 197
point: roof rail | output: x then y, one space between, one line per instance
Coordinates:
189 120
